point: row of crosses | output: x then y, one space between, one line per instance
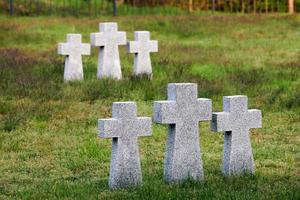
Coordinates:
108 41
182 112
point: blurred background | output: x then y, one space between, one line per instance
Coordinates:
128 7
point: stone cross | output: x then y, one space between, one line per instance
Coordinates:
125 127
73 49
141 47
235 121
182 112
108 40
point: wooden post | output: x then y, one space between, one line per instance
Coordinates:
77 8
11 7
206 5
96 9
51 7
248 6
291 6
242 6
114 6
90 7
190 5
231 5
37 8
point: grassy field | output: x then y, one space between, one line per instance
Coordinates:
48 129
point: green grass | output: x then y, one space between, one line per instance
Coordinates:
83 8
48 129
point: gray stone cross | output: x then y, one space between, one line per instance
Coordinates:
235 121
182 112
73 49
141 47
108 40
125 127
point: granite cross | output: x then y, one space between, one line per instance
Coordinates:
125 127
141 47
108 40
182 112
235 121
73 49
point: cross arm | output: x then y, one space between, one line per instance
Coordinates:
132 47
220 121
108 128
153 46
97 39
205 109
121 38
165 112
62 49
254 118
144 126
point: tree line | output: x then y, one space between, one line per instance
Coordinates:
123 7
221 5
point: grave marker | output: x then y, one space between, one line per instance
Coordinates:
235 121
108 41
182 112
125 127
73 49
142 47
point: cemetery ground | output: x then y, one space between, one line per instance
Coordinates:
48 129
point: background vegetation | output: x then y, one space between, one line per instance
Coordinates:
48 129
130 7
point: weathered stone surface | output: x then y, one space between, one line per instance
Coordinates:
73 49
182 112
108 41
125 127
235 121
141 47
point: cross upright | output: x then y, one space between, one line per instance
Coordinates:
125 127
235 121
108 40
73 49
142 47
182 112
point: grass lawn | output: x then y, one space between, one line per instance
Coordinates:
48 129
